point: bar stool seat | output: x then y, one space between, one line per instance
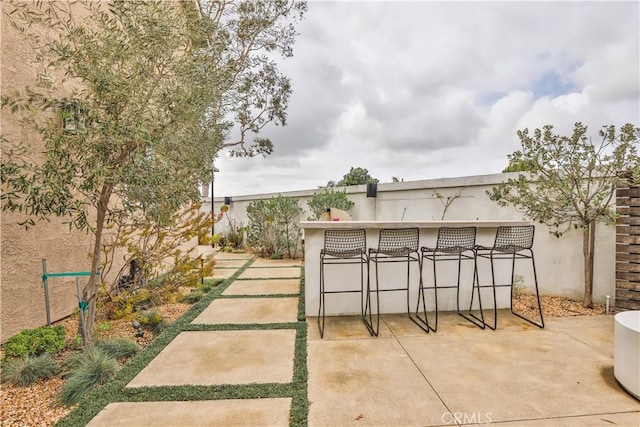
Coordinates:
511 243
453 244
344 247
394 245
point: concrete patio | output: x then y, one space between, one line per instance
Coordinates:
461 375
518 375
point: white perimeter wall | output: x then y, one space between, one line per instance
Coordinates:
559 260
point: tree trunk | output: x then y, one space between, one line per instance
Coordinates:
90 292
588 249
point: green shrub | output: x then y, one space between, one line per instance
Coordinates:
93 368
273 226
28 370
320 202
33 342
119 348
152 320
193 297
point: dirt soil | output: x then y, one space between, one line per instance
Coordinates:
37 405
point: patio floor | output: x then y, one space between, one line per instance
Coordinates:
517 375
461 375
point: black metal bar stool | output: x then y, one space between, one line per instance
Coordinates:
511 243
344 247
453 244
394 245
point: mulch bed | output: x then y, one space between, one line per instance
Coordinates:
37 405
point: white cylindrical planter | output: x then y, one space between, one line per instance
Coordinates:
626 353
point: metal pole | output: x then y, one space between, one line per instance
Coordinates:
213 217
82 328
46 290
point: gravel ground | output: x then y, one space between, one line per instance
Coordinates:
36 405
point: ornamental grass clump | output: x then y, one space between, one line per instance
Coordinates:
119 348
152 320
29 370
193 296
93 368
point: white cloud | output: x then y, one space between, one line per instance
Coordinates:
429 89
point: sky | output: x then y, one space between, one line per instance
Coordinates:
431 89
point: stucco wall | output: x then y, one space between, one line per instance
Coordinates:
21 251
559 260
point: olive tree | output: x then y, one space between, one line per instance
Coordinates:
329 198
571 181
356 176
133 102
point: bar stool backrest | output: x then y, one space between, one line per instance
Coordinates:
345 243
398 241
511 239
456 239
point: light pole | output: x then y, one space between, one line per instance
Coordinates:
213 215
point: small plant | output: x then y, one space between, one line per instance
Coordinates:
119 348
518 284
28 370
210 284
152 320
33 342
447 201
215 239
75 343
93 368
193 296
275 256
102 327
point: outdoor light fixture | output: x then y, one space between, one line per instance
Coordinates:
71 113
138 327
372 189
227 200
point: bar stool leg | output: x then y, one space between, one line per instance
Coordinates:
422 323
475 285
367 315
535 279
321 308
478 321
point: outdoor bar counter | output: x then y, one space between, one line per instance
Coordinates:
393 275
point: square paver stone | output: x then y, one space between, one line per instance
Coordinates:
222 273
249 310
228 255
368 382
230 263
270 273
263 287
222 357
266 262
233 412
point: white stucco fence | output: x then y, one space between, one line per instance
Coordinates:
559 260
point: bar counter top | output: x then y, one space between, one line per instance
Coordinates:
408 224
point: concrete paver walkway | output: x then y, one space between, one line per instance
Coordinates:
518 375
225 357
